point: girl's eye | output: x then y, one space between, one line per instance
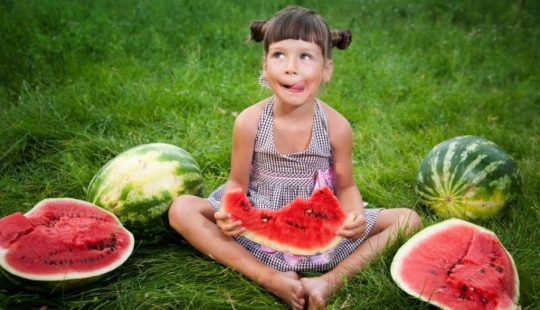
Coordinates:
305 56
278 55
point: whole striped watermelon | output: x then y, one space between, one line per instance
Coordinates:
139 185
467 177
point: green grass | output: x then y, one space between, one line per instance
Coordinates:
81 81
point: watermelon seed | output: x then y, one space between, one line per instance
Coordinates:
484 299
433 271
499 269
483 270
244 205
463 296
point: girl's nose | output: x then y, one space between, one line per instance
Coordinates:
291 67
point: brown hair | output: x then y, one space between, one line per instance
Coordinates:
298 23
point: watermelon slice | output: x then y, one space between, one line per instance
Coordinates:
302 227
62 244
457 265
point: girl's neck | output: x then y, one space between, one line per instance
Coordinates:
288 111
293 126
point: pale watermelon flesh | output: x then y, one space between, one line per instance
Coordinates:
62 239
302 227
457 265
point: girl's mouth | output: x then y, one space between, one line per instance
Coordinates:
297 87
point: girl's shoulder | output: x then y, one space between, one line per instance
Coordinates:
250 116
337 123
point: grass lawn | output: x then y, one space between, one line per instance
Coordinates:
82 81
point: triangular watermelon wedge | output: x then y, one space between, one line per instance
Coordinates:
302 227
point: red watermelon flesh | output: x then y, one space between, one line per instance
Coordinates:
457 265
302 227
62 239
12 227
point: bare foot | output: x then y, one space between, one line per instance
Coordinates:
287 286
319 291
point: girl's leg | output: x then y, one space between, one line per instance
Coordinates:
389 222
193 218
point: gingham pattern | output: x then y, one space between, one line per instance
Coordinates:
278 179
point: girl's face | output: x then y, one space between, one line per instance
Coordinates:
295 70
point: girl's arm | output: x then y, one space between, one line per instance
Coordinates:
346 191
244 132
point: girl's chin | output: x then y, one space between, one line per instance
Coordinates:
294 98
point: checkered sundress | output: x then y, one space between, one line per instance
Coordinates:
278 179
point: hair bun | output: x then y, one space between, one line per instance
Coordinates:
257 30
341 38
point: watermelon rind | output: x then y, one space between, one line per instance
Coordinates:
413 244
467 177
65 280
49 286
139 185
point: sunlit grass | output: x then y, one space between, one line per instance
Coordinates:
82 81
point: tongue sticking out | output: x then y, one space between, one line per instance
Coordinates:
297 87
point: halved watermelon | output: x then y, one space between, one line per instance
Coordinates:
62 244
302 227
457 265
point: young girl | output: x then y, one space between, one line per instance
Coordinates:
284 147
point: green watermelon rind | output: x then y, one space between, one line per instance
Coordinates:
62 282
49 286
427 233
114 188
467 177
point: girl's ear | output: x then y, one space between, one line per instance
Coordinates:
327 71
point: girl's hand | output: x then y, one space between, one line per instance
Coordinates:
354 229
229 228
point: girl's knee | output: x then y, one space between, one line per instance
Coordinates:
408 219
400 218
184 207
413 219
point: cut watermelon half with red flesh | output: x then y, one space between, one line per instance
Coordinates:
302 227
457 265
62 242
